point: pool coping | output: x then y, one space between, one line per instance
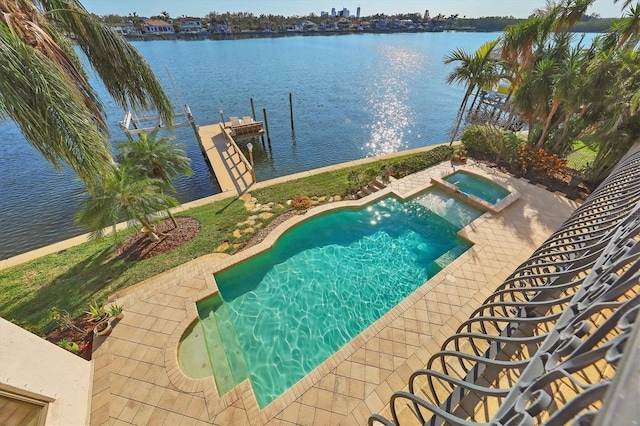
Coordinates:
190 385
475 201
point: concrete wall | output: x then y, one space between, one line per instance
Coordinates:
31 364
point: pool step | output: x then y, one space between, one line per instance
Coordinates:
451 255
193 356
231 343
373 186
217 357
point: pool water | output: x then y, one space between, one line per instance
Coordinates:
472 184
288 309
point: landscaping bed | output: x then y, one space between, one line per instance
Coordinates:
83 339
567 181
74 278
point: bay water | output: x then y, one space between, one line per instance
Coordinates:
354 96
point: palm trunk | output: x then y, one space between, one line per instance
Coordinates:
547 124
565 129
173 219
463 106
151 232
475 98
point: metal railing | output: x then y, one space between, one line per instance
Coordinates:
232 144
545 346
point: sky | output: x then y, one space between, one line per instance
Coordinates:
199 8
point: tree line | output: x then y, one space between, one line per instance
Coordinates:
562 86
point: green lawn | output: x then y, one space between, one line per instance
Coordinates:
70 280
583 153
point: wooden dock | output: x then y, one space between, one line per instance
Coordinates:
232 169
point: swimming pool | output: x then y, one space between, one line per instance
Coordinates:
285 311
472 184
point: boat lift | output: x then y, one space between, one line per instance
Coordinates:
133 125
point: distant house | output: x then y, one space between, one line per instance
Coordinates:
215 27
344 24
128 29
379 23
190 25
308 26
328 25
157 26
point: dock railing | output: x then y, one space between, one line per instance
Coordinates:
233 145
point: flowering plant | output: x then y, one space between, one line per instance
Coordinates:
540 161
301 203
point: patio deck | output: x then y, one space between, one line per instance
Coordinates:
137 379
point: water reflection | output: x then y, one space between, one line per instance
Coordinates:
387 100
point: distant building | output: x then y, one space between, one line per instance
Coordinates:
157 26
344 24
216 27
333 12
128 29
323 13
426 15
358 12
328 25
191 25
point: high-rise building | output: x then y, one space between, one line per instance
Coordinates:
426 15
358 12
345 12
333 11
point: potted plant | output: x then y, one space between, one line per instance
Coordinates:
102 328
96 312
459 155
68 345
115 311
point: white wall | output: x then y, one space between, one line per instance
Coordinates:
31 364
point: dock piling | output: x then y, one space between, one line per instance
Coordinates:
293 131
253 110
266 125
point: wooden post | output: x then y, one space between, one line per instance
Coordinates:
266 125
253 110
293 131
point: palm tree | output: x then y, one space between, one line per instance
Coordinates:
475 70
121 194
154 158
44 87
628 26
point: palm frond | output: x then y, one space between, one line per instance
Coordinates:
125 73
55 120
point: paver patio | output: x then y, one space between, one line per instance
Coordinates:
136 375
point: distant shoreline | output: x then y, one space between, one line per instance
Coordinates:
264 34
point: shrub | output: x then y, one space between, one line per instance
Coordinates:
370 174
493 141
477 139
539 161
301 203
407 166
512 143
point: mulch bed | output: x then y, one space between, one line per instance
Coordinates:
566 182
140 247
84 339
136 247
